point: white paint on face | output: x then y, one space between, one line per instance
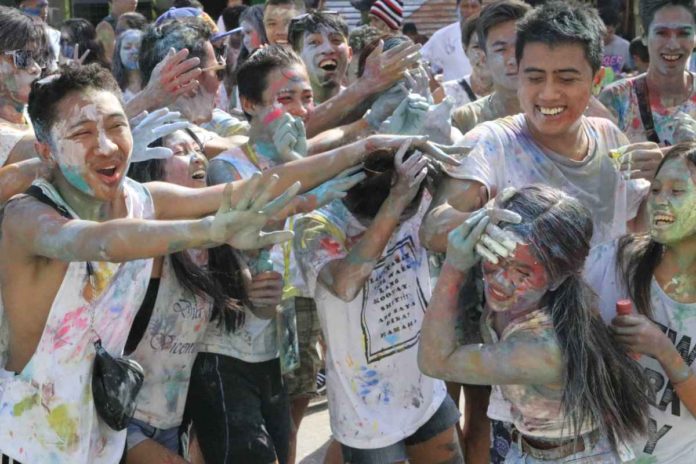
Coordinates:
326 54
251 37
671 40
198 108
188 165
500 55
477 57
276 20
130 49
92 142
15 83
290 88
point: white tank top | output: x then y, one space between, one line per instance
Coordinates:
168 349
46 411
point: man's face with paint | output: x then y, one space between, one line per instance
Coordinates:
38 8
555 87
500 55
15 81
250 37
91 142
288 90
276 20
477 57
468 8
672 202
326 54
198 107
130 49
671 40
517 283
188 165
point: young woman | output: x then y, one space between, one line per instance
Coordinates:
573 395
657 271
80 33
124 64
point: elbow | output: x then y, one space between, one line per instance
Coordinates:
428 363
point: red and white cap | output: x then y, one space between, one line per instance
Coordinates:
389 11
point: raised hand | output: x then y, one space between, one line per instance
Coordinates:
434 151
149 127
336 188
289 136
384 69
385 105
684 128
240 225
409 174
639 160
437 124
173 76
408 118
495 243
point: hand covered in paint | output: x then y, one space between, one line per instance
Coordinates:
289 136
438 121
149 127
418 82
266 289
495 243
75 59
638 334
173 76
639 160
240 225
435 151
336 188
385 105
384 69
409 175
408 118
684 128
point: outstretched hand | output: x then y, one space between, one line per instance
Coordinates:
435 151
409 174
384 69
149 127
240 225
175 75
336 188
289 135
408 118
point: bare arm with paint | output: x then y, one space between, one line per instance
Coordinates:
382 71
345 277
38 231
16 178
520 359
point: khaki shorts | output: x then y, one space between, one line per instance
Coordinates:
302 382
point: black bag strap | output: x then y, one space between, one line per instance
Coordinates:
641 88
36 192
467 88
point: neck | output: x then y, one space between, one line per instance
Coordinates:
479 85
12 111
681 256
134 80
505 101
676 272
671 89
323 93
86 206
262 141
572 144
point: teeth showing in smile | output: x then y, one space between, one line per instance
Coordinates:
328 65
198 175
663 219
551 111
107 171
671 57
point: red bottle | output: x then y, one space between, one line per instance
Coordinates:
625 308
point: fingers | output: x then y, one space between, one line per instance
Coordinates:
400 153
226 202
350 171
273 238
505 239
152 153
348 183
281 201
504 215
135 121
266 190
84 55
248 191
436 153
170 128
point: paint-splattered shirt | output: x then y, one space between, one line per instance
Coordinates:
377 394
506 155
47 412
671 428
620 98
10 135
470 115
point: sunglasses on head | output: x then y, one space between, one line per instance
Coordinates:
23 59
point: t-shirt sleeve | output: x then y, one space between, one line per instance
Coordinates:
317 242
484 162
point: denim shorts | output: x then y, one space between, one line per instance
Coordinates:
601 453
139 431
445 417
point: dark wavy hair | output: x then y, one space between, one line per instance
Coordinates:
638 255
82 32
600 382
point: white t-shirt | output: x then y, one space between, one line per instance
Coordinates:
616 54
671 428
445 53
377 395
504 154
456 91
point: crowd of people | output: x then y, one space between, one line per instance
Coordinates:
199 215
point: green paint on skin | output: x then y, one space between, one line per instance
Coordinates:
63 425
671 203
24 405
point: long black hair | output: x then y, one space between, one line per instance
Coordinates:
222 279
638 255
600 382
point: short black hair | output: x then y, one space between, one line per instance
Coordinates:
556 23
17 30
648 8
191 33
252 75
46 94
609 16
231 15
469 27
314 22
638 48
130 20
409 27
499 12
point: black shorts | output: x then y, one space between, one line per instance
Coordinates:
240 410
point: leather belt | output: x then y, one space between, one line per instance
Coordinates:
551 450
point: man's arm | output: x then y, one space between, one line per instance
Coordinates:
107 37
16 178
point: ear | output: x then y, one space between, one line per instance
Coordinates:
44 151
350 53
248 106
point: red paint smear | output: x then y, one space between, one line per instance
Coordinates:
331 246
273 115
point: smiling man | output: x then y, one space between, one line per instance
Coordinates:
277 15
645 106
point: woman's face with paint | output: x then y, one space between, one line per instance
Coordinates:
517 283
188 165
15 81
91 142
477 57
289 87
251 37
672 202
671 39
130 49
